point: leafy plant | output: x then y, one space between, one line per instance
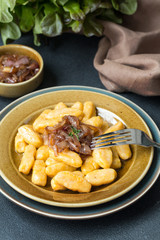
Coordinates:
53 17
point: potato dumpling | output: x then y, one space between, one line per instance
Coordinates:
44 114
42 152
103 157
30 136
124 151
59 113
56 186
118 126
39 123
50 161
40 126
101 176
20 144
78 173
89 165
89 110
116 163
39 176
96 121
52 170
60 105
78 105
69 157
73 181
104 126
27 159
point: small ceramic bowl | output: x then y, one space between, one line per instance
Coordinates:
19 89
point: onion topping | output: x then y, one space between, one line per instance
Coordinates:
17 68
71 134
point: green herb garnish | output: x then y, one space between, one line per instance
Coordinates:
75 132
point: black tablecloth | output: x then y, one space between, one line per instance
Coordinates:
69 61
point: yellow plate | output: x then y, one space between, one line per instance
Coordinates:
131 174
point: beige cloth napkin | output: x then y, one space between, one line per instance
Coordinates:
128 56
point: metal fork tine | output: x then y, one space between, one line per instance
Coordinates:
123 137
110 138
123 140
112 133
111 144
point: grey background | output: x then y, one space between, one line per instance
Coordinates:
69 61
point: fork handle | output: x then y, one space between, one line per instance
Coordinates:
156 144
152 143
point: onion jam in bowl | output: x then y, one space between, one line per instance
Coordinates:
21 70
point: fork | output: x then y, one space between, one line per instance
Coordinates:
123 137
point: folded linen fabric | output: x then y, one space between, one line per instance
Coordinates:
128 56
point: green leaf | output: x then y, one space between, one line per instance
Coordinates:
27 19
62 2
55 2
11 4
52 25
128 6
51 17
59 2
50 8
9 31
76 26
18 12
125 6
115 4
71 134
66 18
22 2
38 19
5 7
90 5
111 15
37 27
73 7
107 5
92 27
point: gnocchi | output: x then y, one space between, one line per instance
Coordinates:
103 157
53 169
89 110
28 159
96 121
56 186
124 151
68 168
20 144
39 176
101 176
69 157
116 162
73 181
89 165
42 152
30 136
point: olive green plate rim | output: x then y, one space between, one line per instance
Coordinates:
11 106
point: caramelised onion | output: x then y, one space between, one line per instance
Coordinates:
16 68
71 134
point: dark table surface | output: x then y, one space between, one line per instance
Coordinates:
69 61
